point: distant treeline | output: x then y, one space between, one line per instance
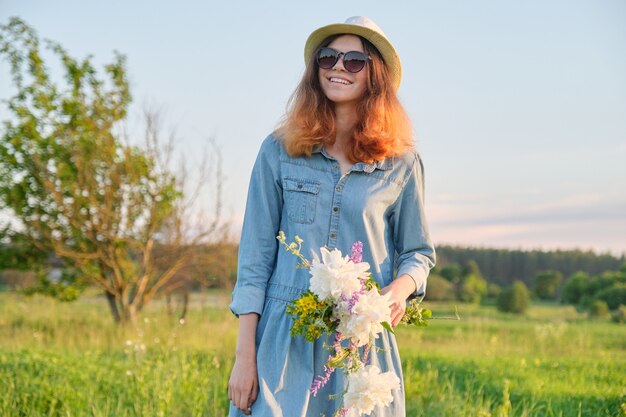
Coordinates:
503 266
499 266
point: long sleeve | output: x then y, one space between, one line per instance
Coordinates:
258 245
415 251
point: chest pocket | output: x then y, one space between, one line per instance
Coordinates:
300 199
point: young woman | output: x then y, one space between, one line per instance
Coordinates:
341 168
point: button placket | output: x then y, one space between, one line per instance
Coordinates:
335 211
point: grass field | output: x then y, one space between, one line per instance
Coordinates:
67 360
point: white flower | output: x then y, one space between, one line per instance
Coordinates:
368 314
368 388
336 275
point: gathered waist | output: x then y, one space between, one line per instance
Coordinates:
283 292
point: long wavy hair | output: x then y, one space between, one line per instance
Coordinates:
383 128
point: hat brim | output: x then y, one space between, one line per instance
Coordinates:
386 49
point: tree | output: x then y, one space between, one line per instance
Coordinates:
547 284
471 268
113 212
514 299
452 272
472 289
439 289
575 288
507 265
605 280
218 266
493 291
613 296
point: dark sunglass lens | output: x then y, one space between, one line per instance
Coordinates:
327 58
354 61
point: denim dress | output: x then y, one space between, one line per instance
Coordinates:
379 204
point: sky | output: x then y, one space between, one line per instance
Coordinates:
518 108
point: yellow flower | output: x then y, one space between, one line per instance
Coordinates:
307 305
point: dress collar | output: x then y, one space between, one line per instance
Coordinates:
384 164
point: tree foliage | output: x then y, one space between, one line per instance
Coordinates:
613 296
504 266
608 288
111 211
18 253
473 288
547 284
439 289
466 281
451 271
493 290
575 288
514 299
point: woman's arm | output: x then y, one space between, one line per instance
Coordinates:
258 245
243 386
257 256
416 253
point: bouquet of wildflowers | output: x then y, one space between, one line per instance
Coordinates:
344 300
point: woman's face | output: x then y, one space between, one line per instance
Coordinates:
339 85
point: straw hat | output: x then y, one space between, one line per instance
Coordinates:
366 28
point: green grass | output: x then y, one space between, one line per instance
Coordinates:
59 359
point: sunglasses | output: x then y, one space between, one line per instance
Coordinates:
353 61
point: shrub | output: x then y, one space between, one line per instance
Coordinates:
619 315
439 289
472 289
514 299
452 272
599 309
605 280
493 290
575 288
547 284
614 296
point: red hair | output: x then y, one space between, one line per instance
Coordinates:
383 128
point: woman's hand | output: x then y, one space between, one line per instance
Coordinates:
243 386
401 288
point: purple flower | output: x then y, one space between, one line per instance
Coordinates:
366 352
355 297
322 380
357 252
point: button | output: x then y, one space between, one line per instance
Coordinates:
299 185
335 209
333 235
336 166
338 188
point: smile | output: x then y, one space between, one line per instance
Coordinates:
339 81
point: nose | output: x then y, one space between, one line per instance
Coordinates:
339 64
